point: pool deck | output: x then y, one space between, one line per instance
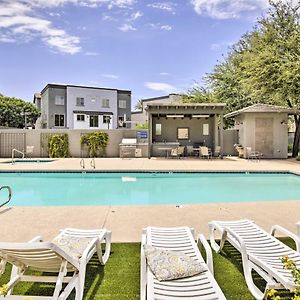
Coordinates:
126 222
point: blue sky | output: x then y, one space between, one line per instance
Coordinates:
149 47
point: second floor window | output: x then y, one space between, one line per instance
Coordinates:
94 121
122 103
105 103
59 120
59 100
79 101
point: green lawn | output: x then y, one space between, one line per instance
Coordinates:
119 279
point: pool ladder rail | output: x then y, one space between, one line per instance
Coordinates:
92 163
13 155
9 194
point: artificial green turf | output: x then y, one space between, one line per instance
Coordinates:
119 278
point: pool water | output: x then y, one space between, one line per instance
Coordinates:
28 161
60 189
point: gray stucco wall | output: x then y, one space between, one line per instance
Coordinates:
247 132
170 125
124 111
54 109
33 138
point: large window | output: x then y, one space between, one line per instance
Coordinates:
106 119
59 120
59 100
205 129
79 101
80 118
122 103
94 121
105 103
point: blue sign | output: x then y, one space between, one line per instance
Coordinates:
142 134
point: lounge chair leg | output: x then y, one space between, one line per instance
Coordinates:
103 258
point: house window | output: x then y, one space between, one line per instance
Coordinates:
205 129
105 103
94 121
79 101
59 100
106 119
80 118
121 122
122 103
59 120
157 129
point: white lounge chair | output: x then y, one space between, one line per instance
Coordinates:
70 252
204 152
202 286
260 251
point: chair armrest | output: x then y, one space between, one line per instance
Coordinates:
287 233
36 239
209 258
91 246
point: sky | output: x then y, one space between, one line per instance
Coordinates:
152 48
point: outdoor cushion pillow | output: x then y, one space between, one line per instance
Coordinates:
72 245
168 265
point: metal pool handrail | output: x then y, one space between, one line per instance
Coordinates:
13 156
9 194
82 164
93 163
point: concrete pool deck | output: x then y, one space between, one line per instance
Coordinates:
126 222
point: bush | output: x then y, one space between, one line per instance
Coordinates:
298 157
96 142
290 148
142 126
58 145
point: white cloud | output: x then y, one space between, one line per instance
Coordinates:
21 21
164 74
110 76
219 46
160 86
136 15
227 9
166 27
167 6
92 53
127 27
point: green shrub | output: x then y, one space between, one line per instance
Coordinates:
58 145
142 126
96 142
298 157
290 148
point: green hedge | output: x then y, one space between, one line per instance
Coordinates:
58 145
96 142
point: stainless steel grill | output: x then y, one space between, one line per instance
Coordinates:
128 148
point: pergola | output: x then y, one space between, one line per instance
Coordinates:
185 124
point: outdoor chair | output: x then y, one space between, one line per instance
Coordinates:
177 152
260 251
199 287
68 253
253 154
217 151
204 153
240 150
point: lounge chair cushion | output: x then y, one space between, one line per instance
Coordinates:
73 245
168 265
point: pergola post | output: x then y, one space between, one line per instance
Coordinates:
221 134
150 125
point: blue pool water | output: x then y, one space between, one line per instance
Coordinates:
28 161
55 189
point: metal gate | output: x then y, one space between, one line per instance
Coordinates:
10 141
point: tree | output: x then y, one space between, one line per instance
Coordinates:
139 105
264 66
12 112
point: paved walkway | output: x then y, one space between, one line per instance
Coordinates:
126 222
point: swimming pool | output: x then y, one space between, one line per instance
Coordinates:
63 189
28 161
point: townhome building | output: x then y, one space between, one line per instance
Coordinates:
83 107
